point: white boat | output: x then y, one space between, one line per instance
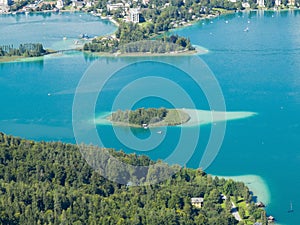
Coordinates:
291 208
246 29
159 132
64 38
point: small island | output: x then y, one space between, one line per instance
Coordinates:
150 117
10 53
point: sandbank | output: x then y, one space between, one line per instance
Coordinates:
202 117
197 117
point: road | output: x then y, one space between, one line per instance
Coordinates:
235 212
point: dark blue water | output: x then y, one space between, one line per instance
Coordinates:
257 70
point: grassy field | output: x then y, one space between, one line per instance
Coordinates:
10 58
174 117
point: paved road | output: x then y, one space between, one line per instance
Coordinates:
235 212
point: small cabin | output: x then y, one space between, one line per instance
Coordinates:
271 219
260 204
223 197
197 202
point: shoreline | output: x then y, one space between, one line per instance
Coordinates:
198 51
222 11
9 59
183 118
197 117
18 59
256 185
12 59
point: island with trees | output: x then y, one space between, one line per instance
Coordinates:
51 183
9 52
136 38
149 117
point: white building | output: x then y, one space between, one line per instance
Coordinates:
88 4
167 5
4 2
77 4
261 3
134 15
4 6
145 2
114 7
59 4
197 202
246 4
277 2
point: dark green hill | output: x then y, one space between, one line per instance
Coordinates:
50 183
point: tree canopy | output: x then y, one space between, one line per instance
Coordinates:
50 183
26 50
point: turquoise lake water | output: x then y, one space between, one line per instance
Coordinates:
258 71
50 29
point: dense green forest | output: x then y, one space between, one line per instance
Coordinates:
50 183
174 43
149 117
140 116
26 50
133 38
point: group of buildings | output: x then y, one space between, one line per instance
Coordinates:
134 14
130 14
261 3
75 4
124 7
4 5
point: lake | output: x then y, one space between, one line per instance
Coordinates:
51 29
254 56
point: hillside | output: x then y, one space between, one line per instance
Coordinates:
50 183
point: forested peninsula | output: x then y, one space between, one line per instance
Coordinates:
149 117
51 183
146 31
